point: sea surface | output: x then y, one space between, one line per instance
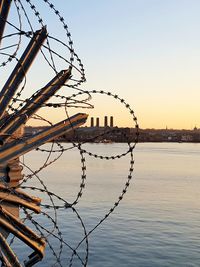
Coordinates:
157 224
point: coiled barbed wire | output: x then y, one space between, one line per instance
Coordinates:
29 19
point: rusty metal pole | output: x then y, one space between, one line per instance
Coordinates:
13 144
21 69
14 122
4 10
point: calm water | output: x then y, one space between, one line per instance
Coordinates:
158 221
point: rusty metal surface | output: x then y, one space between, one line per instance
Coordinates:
19 118
17 148
13 144
21 69
14 225
4 10
9 197
9 257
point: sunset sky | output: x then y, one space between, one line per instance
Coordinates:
146 51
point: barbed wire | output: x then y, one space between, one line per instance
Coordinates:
13 42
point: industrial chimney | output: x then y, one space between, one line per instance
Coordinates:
111 121
92 122
97 122
105 121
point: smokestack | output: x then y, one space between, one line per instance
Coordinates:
111 121
105 121
92 122
97 122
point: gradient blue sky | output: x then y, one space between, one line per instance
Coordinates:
146 51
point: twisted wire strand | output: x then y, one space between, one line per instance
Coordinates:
26 11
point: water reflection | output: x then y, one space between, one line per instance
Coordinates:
157 224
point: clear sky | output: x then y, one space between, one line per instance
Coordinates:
146 51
